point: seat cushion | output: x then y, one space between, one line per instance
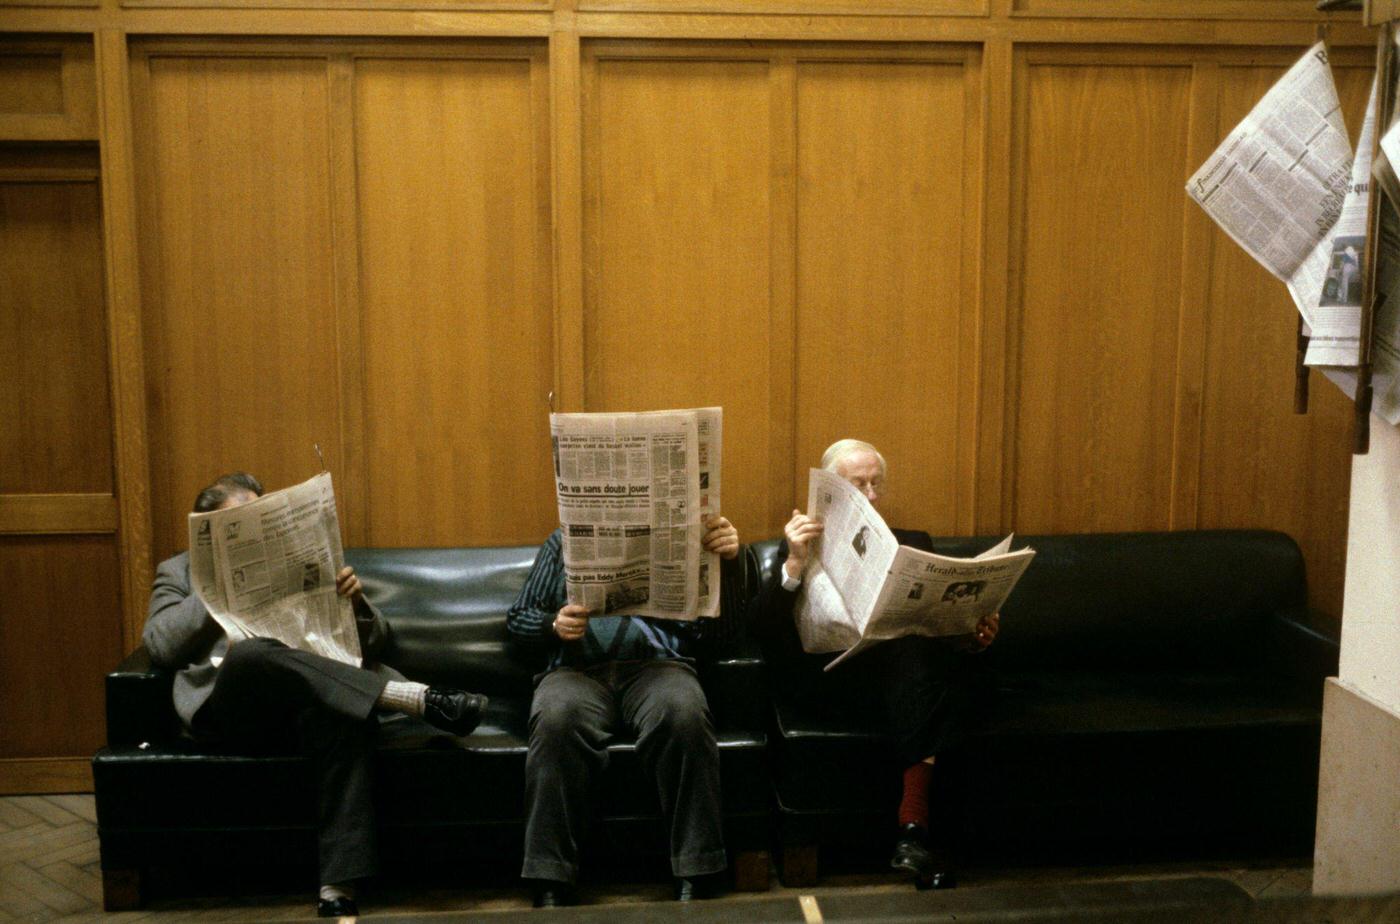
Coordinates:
1036 713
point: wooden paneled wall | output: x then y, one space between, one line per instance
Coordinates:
232 229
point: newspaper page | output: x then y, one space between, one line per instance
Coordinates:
847 568
862 587
709 439
1332 274
1385 339
1278 182
633 493
930 594
266 569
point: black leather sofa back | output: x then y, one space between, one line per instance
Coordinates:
448 609
1180 600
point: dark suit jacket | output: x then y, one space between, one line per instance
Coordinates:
181 635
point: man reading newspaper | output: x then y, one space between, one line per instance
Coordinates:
255 694
915 685
613 598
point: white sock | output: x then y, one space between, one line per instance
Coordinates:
331 892
403 696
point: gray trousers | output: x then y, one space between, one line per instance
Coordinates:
574 714
269 698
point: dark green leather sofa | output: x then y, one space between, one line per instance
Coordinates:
170 808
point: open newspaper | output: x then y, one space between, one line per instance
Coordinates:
1285 186
266 569
862 587
634 491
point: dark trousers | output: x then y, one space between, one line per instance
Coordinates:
574 714
918 688
269 698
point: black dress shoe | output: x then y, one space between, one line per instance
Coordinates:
454 711
341 907
554 895
913 855
699 888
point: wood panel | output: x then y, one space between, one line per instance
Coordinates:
1260 464
31 84
54 399
238 285
452 162
884 297
828 7
1103 149
48 89
340 5
59 596
678 170
57 513
1167 9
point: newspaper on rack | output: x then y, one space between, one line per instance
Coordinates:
267 568
1385 337
634 491
1279 181
1333 271
862 587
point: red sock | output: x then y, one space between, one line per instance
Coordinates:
913 808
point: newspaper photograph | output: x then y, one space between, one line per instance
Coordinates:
1279 181
266 569
634 490
862 587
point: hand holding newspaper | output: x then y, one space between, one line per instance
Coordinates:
267 568
862 587
634 491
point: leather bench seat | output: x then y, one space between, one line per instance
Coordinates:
1147 690
164 801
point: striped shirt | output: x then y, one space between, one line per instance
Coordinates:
608 638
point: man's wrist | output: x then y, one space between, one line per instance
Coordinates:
790 582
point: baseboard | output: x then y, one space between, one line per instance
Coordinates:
30 775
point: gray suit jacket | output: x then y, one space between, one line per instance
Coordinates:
182 636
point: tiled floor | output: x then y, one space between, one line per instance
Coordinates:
49 871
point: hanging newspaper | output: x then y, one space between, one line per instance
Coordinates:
1385 323
266 569
1385 339
862 587
1279 184
1335 265
634 491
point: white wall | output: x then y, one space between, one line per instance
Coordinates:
1371 608
1358 800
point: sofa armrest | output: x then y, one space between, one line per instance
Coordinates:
1302 646
139 704
736 687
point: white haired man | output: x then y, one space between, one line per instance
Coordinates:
914 684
